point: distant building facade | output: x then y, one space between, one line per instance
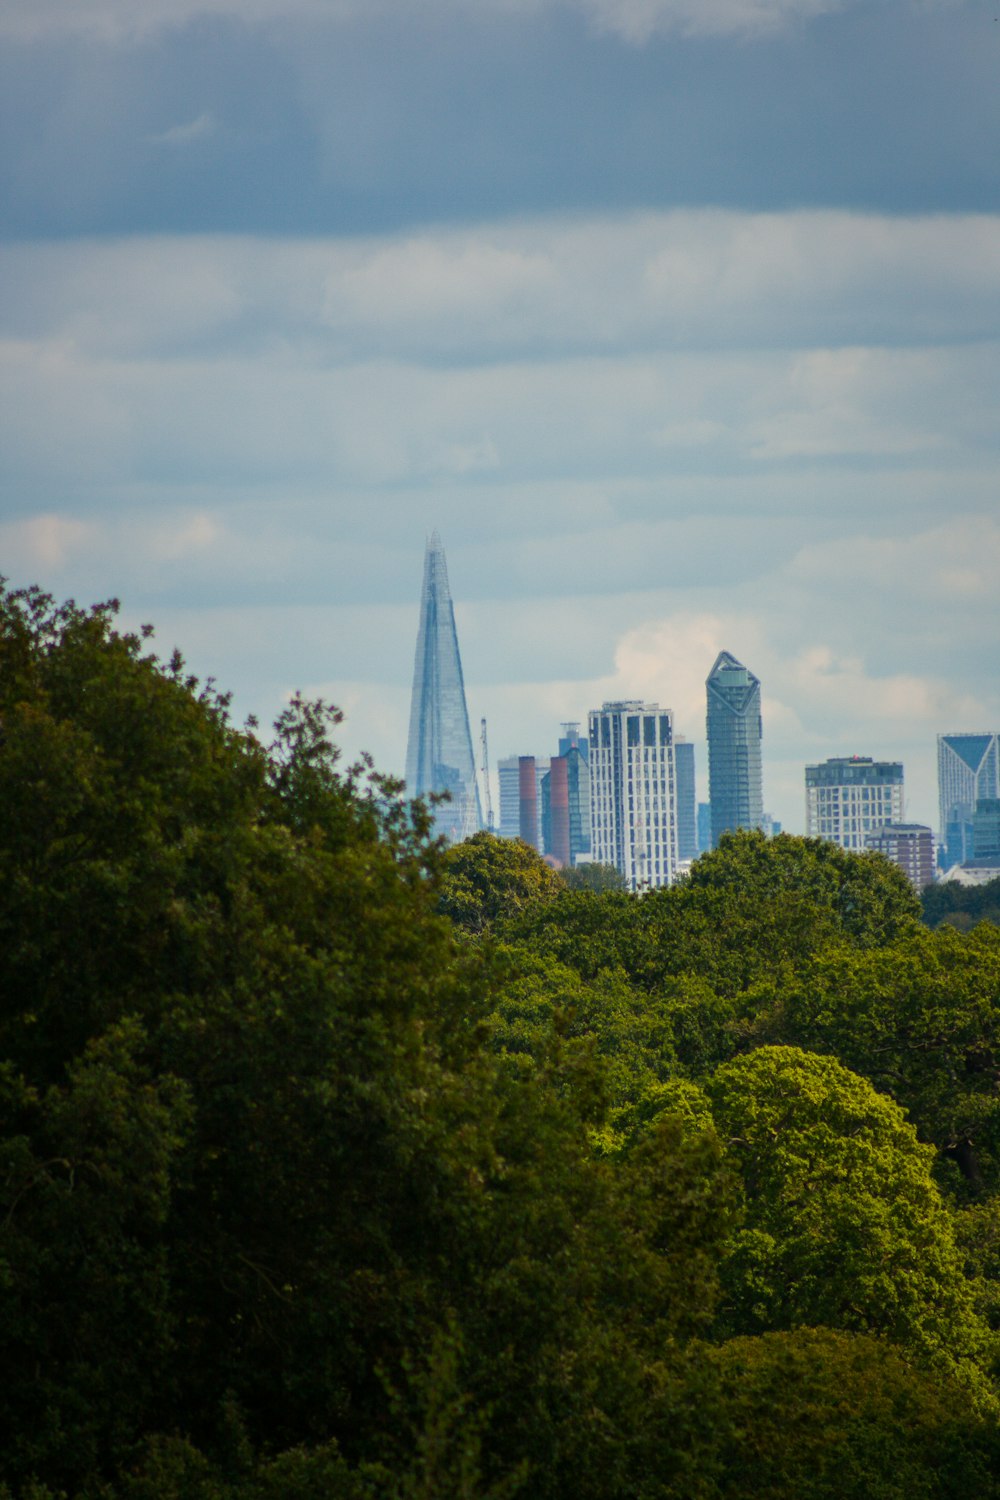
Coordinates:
521 797
633 795
704 828
439 749
734 726
565 792
986 830
507 776
908 845
687 806
968 772
848 797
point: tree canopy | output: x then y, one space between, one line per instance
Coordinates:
333 1163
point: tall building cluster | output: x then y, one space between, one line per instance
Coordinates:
625 793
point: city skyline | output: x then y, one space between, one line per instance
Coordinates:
680 321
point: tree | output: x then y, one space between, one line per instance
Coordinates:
815 1414
488 882
918 1017
245 1116
256 1163
593 876
961 906
844 1226
755 908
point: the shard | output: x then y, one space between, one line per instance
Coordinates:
439 751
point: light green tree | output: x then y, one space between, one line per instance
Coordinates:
844 1226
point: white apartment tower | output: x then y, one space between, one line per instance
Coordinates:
849 797
633 799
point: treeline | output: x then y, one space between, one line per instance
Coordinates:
335 1165
961 906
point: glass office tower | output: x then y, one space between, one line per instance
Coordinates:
439 751
735 792
968 771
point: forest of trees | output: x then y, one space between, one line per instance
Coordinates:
338 1166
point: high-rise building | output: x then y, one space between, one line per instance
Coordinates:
572 739
687 807
848 797
908 845
439 750
515 792
968 772
986 831
565 789
578 782
704 828
565 798
529 809
735 791
633 797
555 812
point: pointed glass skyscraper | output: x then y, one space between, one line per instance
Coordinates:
439 751
734 734
968 772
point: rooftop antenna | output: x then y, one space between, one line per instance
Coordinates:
485 769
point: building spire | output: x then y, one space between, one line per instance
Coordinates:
439 754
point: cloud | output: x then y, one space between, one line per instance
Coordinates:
636 21
188 537
639 20
182 135
532 288
42 544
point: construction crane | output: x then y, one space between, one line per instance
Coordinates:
485 769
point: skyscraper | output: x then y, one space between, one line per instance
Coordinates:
439 750
968 772
520 800
735 791
687 820
851 796
633 806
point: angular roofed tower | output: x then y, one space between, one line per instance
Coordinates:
968 772
439 751
734 734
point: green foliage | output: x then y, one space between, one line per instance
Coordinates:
587 931
757 908
332 1164
819 1415
593 876
961 906
920 1018
844 1226
754 909
488 882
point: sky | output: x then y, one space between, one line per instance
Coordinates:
679 320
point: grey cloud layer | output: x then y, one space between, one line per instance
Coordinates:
529 289
636 20
353 119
